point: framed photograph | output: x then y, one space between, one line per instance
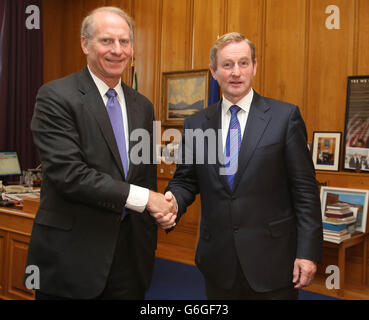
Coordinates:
184 93
326 150
345 204
356 138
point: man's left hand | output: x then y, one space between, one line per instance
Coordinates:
303 272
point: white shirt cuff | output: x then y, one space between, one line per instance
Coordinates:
137 198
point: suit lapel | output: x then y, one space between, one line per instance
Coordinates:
94 102
213 122
257 122
133 121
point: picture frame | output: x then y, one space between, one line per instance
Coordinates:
183 93
356 134
356 198
326 150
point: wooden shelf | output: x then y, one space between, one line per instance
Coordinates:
344 173
353 291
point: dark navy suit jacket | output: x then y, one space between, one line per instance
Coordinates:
271 216
84 190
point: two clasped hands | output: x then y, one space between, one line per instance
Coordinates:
163 208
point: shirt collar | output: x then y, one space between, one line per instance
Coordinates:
244 103
103 87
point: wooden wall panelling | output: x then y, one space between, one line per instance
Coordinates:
330 60
284 53
176 36
52 38
207 26
71 57
61 34
126 5
363 38
147 48
247 17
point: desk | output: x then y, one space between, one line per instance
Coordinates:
359 238
15 231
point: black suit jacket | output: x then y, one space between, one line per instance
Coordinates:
271 216
84 190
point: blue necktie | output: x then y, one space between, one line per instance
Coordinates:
116 120
233 144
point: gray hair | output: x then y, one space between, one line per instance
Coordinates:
87 29
226 39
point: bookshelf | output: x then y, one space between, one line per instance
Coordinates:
351 255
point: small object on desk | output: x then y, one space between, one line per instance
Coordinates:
6 203
15 189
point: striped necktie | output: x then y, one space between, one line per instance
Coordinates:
233 144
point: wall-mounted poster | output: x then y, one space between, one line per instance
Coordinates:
356 140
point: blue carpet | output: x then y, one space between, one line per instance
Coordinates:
178 281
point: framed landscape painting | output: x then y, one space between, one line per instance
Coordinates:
184 93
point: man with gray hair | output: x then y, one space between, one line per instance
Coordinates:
93 236
261 229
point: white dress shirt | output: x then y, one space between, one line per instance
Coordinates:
242 115
138 196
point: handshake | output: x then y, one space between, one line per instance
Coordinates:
163 208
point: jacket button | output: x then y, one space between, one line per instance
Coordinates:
235 229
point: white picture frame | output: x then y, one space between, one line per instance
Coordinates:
326 150
358 198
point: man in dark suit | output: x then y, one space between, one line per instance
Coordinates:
260 229
355 161
93 236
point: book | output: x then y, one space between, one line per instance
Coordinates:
337 236
340 221
334 232
331 214
338 206
334 226
336 239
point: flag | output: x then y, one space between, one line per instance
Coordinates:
134 79
353 130
213 92
357 129
134 84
